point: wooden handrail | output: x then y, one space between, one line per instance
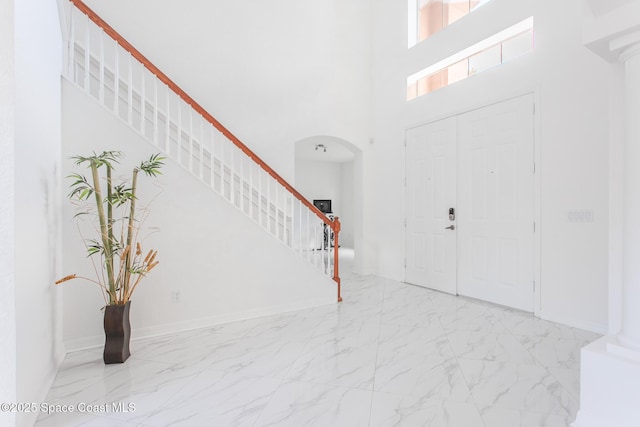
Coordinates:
197 107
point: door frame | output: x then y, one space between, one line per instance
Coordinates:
536 183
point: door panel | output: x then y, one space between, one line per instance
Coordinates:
495 225
431 191
480 163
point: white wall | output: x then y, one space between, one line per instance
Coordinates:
225 266
571 86
347 214
37 199
574 132
7 235
277 73
606 21
334 181
320 180
272 72
616 196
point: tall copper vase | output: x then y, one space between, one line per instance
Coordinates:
117 330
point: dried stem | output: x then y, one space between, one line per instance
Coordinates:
120 252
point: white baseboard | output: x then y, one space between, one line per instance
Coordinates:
597 328
97 341
584 421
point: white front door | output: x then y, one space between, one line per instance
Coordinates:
495 201
480 164
431 192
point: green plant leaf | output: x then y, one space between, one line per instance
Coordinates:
105 205
152 166
80 188
106 158
120 195
94 248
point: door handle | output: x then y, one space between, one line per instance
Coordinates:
451 227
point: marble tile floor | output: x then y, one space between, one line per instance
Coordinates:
391 354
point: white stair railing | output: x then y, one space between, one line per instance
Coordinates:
105 66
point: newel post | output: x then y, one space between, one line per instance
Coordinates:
336 245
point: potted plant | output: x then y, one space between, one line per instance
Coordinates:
122 264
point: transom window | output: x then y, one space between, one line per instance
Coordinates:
495 50
427 17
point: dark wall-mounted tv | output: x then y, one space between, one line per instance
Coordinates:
323 205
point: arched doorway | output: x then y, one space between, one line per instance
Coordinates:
329 168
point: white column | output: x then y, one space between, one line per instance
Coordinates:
610 366
630 333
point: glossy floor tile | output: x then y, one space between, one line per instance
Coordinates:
391 354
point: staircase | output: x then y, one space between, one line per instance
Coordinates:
104 65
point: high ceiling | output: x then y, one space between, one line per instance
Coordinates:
271 72
601 7
314 149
